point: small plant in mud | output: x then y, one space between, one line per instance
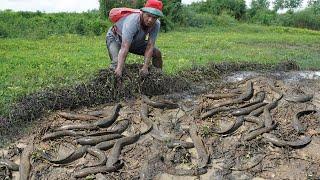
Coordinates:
37 154
249 155
90 177
205 131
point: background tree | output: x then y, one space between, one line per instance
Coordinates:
260 4
103 9
106 5
260 12
315 6
235 8
289 4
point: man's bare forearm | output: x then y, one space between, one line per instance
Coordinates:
121 58
122 55
148 55
147 61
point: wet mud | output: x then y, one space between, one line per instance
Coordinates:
170 136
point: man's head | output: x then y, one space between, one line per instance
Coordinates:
152 10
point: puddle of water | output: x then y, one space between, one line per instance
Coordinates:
241 75
286 76
300 75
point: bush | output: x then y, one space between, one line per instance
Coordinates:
98 27
225 20
41 25
199 20
3 31
235 8
265 17
80 27
302 19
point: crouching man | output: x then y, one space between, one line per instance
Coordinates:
137 34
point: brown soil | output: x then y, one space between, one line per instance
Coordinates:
230 156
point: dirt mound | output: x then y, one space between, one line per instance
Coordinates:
104 88
234 142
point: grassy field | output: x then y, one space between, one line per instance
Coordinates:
30 65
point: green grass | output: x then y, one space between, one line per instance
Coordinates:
31 65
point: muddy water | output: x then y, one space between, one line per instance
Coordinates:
230 156
291 76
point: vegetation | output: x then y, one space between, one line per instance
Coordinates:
40 25
44 50
289 4
57 61
37 25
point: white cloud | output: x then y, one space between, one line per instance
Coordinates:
64 5
190 1
49 5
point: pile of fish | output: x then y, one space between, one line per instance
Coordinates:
252 110
103 134
103 131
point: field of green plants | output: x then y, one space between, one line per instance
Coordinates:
29 65
50 50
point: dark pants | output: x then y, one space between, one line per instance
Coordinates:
113 42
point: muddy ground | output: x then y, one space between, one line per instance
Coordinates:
231 155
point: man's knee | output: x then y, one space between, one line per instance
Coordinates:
157 58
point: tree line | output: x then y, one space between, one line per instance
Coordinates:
199 14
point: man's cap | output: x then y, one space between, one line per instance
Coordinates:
153 7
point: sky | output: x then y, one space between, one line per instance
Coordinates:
59 5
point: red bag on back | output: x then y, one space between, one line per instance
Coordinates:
117 13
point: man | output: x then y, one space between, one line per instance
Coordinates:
136 33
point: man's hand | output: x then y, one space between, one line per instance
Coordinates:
118 72
144 71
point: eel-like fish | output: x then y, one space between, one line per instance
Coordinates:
270 106
102 158
93 140
160 104
116 150
119 128
75 116
215 111
220 96
299 98
303 141
248 109
187 172
254 161
258 132
243 97
237 123
78 126
268 121
25 165
258 98
178 143
144 114
97 113
108 121
62 133
72 157
95 170
106 144
11 165
255 120
297 125
203 156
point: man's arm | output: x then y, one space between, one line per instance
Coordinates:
148 55
125 45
